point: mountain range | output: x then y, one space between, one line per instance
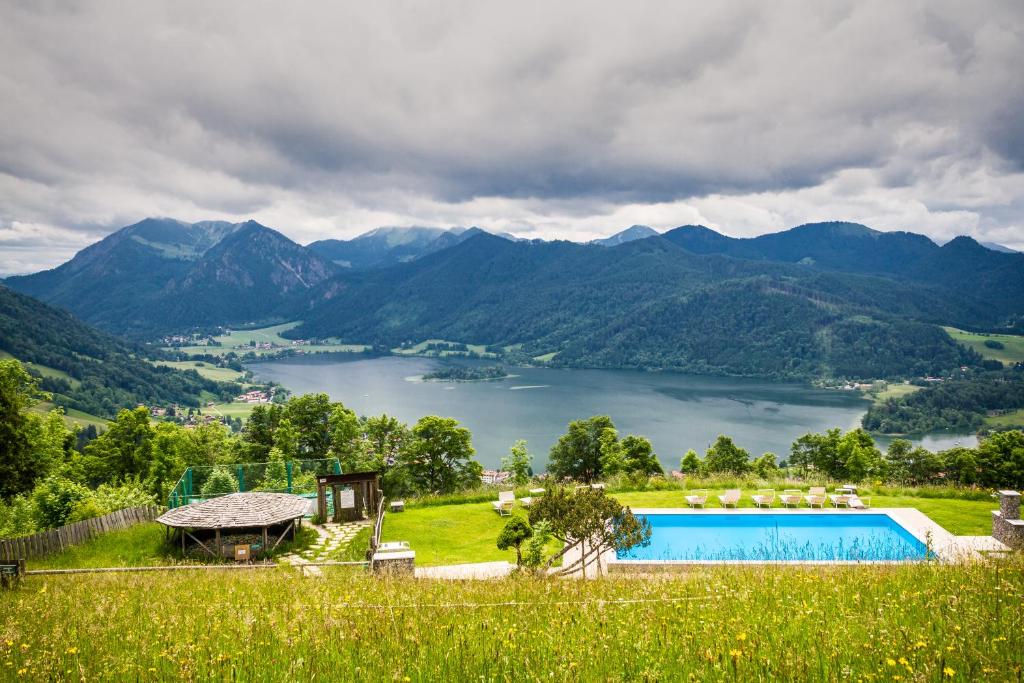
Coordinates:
824 299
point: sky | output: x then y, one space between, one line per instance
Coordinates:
567 120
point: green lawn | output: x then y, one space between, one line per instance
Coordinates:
451 534
261 335
1013 353
242 410
893 391
74 417
1011 419
204 369
142 545
420 349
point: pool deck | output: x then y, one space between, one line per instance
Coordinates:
946 546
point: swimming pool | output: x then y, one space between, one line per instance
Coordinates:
771 537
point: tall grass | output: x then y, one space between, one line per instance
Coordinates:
918 622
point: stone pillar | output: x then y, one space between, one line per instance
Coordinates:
1007 526
394 563
1009 504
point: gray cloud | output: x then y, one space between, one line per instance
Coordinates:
557 120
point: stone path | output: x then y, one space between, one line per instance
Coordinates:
332 539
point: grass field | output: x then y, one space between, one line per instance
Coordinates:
1011 419
45 370
204 369
269 335
893 391
1013 353
142 545
241 410
921 622
421 349
74 417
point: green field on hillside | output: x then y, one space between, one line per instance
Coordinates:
421 349
264 335
242 410
73 417
1012 353
917 622
45 370
204 369
1014 418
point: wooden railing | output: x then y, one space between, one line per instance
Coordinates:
56 540
377 526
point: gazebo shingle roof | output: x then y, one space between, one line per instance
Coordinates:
236 510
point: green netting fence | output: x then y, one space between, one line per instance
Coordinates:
295 476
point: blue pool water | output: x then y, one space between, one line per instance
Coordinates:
775 537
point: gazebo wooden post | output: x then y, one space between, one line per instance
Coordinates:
183 542
220 550
264 541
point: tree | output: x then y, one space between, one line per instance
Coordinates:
613 457
258 433
518 463
533 555
440 457
21 463
515 532
725 456
690 463
577 453
310 414
1001 460
275 477
345 445
219 482
858 456
818 452
640 456
166 463
589 520
125 449
765 466
385 437
286 440
961 465
55 498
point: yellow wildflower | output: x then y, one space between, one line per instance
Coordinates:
72 650
890 661
949 673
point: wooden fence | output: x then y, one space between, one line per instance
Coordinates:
56 540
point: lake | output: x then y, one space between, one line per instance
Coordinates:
676 412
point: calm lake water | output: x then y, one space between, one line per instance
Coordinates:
676 412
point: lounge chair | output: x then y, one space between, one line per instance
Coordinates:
858 503
816 497
506 500
791 497
730 497
764 498
840 500
393 547
697 498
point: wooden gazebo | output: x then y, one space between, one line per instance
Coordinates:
237 512
354 496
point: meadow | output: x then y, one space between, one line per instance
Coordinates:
1013 351
905 622
204 369
264 335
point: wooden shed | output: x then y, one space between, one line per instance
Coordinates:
237 513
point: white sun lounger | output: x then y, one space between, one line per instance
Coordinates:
506 500
697 498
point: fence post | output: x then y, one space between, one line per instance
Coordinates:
337 466
241 477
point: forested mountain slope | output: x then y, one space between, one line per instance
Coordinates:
646 303
103 373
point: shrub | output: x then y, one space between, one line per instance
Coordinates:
55 499
220 482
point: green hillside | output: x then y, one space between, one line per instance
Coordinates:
87 370
1012 350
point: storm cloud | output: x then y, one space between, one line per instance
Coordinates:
566 120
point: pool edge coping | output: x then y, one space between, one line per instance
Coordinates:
940 542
